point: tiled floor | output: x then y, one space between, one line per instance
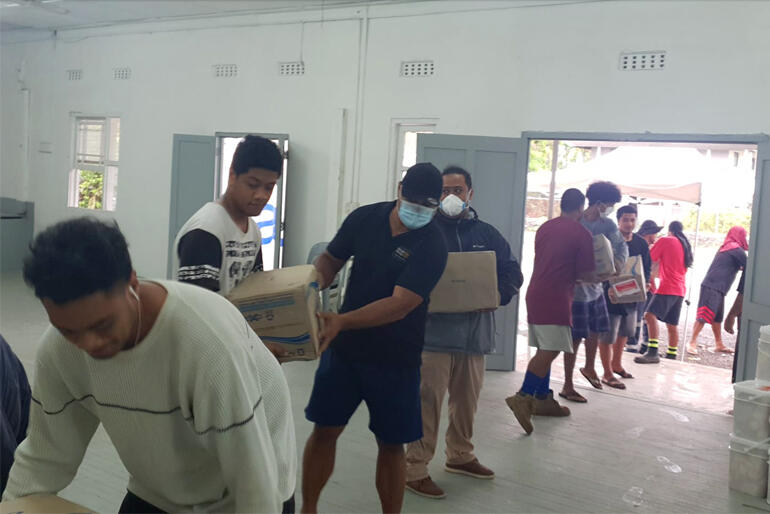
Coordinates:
660 446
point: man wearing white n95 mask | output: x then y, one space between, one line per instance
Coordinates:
455 344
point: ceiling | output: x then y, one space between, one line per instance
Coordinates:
21 15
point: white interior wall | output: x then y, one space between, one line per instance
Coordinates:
498 73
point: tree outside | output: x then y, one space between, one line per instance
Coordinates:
90 189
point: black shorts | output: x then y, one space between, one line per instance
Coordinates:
711 306
666 308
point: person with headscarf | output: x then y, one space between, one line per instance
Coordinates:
671 256
729 260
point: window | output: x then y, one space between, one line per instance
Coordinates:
404 134
94 174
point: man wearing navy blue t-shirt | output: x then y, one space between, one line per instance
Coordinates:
372 348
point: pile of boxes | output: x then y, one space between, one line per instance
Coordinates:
750 440
281 306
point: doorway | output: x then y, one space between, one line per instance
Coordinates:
706 182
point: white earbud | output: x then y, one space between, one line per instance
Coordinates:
133 292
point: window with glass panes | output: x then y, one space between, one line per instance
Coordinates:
94 174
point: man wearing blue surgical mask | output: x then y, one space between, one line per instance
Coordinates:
455 344
372 348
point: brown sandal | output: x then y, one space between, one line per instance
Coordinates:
614 383
593 381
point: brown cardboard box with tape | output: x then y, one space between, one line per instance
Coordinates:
281 306
469 283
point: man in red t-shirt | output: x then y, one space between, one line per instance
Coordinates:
563 255
671 256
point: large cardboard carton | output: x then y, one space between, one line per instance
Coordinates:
469 283
42 503
281 306
605 261
630 286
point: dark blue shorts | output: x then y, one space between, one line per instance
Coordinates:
589 318
392 394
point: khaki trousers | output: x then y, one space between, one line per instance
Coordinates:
462 375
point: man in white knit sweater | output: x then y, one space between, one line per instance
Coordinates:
196 406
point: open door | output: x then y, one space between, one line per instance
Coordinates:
192 182
756 297
498 167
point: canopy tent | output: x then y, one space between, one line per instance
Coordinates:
648 172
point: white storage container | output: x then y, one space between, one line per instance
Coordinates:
751 416
748 466
763 358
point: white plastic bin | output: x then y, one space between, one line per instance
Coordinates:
748 466
751 416
763 358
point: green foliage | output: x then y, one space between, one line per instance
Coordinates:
717 222
90 189
541 155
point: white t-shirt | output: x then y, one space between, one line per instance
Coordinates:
199 412
212 251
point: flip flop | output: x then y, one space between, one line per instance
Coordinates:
615 383
574 397
724 350
623 374
691 352
593 381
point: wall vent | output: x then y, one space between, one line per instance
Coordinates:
121 73
412 69
642 61
225 70
291 68
74 74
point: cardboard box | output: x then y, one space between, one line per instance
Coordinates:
300 343
42 503
281 306
630 286
605 260
469 283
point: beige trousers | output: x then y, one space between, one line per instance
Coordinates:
463 376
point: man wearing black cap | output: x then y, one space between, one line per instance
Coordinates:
649 232
375 342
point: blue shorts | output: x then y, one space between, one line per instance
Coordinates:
392 394
589 318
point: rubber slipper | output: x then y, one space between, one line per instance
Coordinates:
623 374
724 350
692 352
615 383
593 381
573 397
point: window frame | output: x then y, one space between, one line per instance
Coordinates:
399 128
102 163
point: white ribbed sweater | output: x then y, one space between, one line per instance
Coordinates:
199 412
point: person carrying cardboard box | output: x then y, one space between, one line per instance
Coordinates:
623 316
372 348
455 344
589 310
196 406
220 245
563 255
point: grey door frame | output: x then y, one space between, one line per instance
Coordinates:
281 194
745 364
